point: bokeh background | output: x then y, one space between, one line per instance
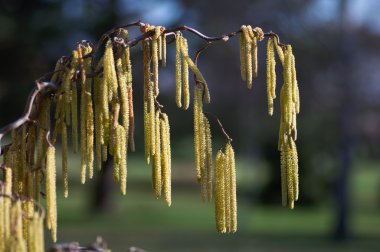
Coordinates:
336 45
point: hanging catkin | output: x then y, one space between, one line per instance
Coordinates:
122 142
65 176
208 159
185 75
16 242
253 38
156 168
166 158
232 180
202 151
197 110
90 135
51 202
178 70
109 72
243 55
248 55
83 115
163 41
220 166
271 75
155 47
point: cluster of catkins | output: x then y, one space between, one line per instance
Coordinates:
102 93
289 100
21 221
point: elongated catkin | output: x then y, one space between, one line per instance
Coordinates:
197 108
178 70
209 163
233 202
220 216
243 60
51 202
156 168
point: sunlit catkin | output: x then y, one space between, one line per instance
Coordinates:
16 242
220 165
155 41
51 202
271 75
203 154
109 73
90 136
152 120
131 120
197 109
209 164
248 56
156 168
185 77
233 202
279 50
178 70
166 158
253 37
122 142
7 202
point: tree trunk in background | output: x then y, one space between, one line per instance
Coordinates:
346 112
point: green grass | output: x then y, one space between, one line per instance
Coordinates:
188 225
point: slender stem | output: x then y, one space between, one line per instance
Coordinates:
228 138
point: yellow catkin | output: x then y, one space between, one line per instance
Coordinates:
90 136
227 192
40 235
51 202
209 164
7 202
122 74
31 144
28 209
203 152
254 51
74 119
123 159
185 78
197 108
166 159
248 56
243 60
219 192
146 133
159 44
156 168
163 49
98 123
155 47
16 241
131 120
83 117
178 70
279 50
152 119
296 95
271 75
109 72
288 90
233 202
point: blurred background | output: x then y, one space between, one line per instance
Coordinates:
336 45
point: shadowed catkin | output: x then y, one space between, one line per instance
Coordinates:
90 136
131 120
51 202
152 120
178 73
163 43
243 60
16 241
65 176
203 152
220 166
